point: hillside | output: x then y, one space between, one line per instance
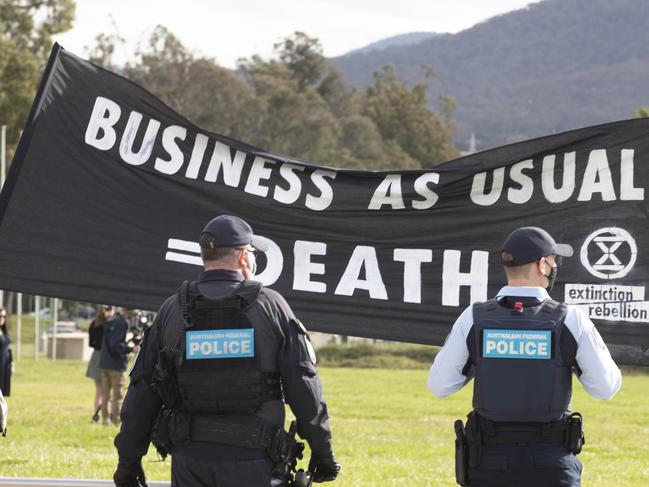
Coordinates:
399 40
553 66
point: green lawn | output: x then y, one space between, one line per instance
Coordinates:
388 429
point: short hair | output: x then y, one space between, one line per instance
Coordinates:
218 254
514 270
212 253
507 258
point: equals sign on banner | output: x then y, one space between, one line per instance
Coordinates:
184 251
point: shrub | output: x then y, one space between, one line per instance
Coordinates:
377 355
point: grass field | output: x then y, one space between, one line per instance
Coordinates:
388 430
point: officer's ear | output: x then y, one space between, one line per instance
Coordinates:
544 266
241 257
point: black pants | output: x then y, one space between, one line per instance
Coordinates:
526 464
195 472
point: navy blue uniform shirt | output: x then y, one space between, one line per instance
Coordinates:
279 339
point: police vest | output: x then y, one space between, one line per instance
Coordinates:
219 372
520 371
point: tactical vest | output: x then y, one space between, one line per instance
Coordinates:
520 372
219 372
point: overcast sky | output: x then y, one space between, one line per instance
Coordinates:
229 30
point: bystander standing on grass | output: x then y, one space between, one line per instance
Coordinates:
6 357
95 337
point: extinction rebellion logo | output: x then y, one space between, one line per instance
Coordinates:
609 253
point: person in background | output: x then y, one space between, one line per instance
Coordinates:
113 358
4 411
95 337
6 358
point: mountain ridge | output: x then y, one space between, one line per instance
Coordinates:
407 39
552 66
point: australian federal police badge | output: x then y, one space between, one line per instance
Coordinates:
521 344
217 344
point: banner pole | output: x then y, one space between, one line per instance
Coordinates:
3 172
37 325
19 323
3 154
55 317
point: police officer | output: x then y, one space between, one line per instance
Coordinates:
521 348
236 350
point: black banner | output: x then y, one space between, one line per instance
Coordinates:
110 189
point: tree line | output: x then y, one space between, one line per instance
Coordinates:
296 104
26 30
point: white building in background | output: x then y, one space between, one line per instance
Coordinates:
473 146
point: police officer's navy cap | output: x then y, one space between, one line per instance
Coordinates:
230 231
529 244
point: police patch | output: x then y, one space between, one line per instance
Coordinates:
210 344
526 344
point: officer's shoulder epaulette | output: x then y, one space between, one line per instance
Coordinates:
550 306
488 305
249 291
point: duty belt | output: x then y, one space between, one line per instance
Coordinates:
492 433
481 431
238 430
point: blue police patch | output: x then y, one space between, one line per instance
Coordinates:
237 343
528 344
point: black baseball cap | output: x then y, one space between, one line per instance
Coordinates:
230 231
529 244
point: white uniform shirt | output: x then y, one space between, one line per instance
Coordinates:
600 375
